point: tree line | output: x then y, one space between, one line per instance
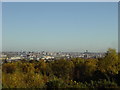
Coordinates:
74 73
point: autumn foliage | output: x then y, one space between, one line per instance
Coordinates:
63 73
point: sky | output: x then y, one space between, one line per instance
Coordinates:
119 27
0 26
60 0
60 26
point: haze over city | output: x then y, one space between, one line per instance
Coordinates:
64 26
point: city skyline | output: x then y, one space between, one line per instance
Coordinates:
60 26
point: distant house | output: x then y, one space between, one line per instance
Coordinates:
15 58
47 57
87 54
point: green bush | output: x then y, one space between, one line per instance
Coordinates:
21 80
74 84
9 68
102 84
62 68
56 83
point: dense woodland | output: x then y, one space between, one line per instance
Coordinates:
63 73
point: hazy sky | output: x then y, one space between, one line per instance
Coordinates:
60 26
0 26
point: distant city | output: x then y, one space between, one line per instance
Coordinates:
47 56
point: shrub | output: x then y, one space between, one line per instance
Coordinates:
9 68
102 84
21 80
55 83
74 84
